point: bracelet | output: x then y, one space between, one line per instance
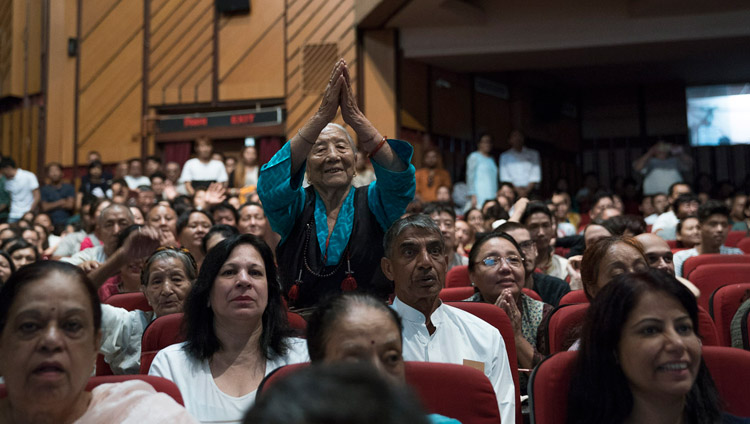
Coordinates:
299 133
382 142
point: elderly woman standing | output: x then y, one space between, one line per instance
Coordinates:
331 232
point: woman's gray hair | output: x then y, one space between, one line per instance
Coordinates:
420 221
348 137
188 263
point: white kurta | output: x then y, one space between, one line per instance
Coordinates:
459 336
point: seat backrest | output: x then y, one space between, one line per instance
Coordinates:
707 328
298 324
573 297
455 391
730 370
458 276
691 264
723 304
532 294
734 237
744 244
162 332
710 277
456 294
499 319
745 326
564 321
548 388
452 390
159 384
672 244
130 301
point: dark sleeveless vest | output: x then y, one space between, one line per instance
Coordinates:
365 249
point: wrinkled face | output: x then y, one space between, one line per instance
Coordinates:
620 258
528 248
162 218
48 345
192 235
541 229
331 160
250 156
54 173
714 230
4 270
447 226
240 291
167 286
600 206
203 149
476 220
369 335
113 221
690 233
659 351
499 267
661 203
416 264
464 233
224 216
594 233
657 252
252 221
561 207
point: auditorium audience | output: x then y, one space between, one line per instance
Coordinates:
236 332
327 228
433 331
607 258
713 217
444 216
640 357
21 252
57 197
50 321
659 256
666 223
202 170
520 165
135 177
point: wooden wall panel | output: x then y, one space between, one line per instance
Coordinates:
20 57
181 55
33 71
379 80
252 69
315 22
413 94
19 135
95 12
6 45
451 104
109 113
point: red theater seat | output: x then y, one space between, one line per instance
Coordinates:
162 332
730 369
458 276
723 305
707 328
455 391
573 297
455 294
496 317
734 237
159 384
130 301
563 322
532 294
744 244
710 277
711 259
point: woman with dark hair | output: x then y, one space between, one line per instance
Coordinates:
475 218
246 174
191 227
216 234
7 267
165 279
608 257
496 268
21 252
50 329
236 332
640 357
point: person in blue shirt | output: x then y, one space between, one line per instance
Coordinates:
58 198
331 233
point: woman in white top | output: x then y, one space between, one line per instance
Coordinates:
236 332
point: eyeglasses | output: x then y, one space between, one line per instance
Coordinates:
493 261
525 245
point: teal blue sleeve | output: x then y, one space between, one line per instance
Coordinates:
389 195
280 192
439 419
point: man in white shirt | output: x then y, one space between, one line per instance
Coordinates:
520 165
435 332
23 188
714 227
135 177
200 171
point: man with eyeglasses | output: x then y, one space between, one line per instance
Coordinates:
550 289
433 331
538 219
659 256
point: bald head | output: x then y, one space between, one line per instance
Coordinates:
657 252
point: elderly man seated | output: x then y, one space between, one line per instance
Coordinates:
435 332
